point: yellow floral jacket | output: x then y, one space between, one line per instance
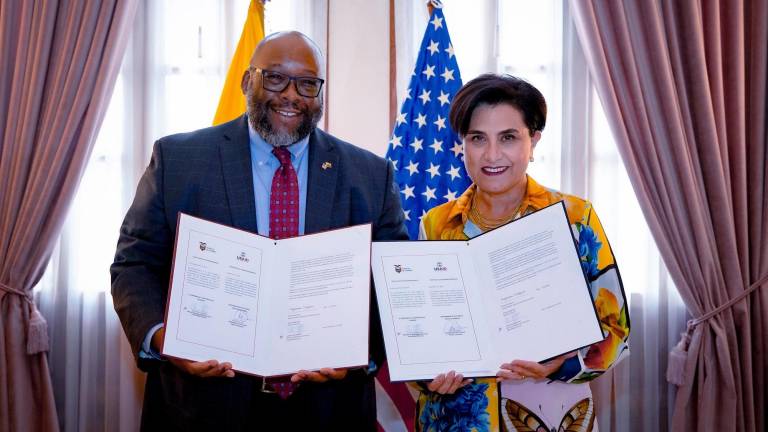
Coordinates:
476 407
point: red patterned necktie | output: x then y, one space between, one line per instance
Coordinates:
284 198
284 223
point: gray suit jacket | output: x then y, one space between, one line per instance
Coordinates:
207 173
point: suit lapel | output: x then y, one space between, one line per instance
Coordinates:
321 182
235 154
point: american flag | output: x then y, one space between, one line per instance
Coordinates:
424 149
429 170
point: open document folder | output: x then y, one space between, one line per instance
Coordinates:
516 292
269 307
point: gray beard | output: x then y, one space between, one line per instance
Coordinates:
258 117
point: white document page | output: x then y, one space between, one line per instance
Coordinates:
230 295
520 294
431 314
214 296
536 296
320 317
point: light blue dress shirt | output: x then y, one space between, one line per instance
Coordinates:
263 165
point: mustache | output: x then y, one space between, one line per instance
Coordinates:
259 119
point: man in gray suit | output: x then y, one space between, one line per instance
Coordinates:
226 174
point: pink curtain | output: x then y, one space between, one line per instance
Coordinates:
683 84
58 64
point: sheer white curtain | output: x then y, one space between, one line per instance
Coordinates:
534 39
169 82
635 395
94 381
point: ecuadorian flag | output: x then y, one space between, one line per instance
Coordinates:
232 101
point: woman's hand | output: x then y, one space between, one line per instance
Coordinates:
521 369
448 383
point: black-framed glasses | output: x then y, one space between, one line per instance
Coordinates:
277 82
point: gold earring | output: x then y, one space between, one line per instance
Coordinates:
531 159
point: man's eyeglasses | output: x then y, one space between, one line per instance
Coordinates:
277 82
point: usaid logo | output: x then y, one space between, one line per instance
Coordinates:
439 267
203 245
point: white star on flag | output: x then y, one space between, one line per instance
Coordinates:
429 193
449 50
421 120
437 22
454 172
456 149
434 170
433 48
429 72
450 196
416 144
437 145
440 122
401 118
395 142
447 74
413 167
408 192
443 98
425 96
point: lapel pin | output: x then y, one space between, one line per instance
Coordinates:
326 165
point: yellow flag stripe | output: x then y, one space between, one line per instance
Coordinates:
232 101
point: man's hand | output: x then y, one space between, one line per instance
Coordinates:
521 369
448 383
206 369
321 376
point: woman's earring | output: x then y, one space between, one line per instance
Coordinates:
531 159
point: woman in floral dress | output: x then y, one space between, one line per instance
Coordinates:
500 119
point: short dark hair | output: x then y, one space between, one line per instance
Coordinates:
494 89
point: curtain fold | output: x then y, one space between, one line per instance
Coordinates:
59 60
684 88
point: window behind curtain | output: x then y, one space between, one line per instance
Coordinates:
526 38
169 82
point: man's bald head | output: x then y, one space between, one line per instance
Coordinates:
288 47
287 108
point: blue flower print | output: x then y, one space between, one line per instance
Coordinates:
463 411
589 246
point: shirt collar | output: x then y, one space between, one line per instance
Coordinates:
261 151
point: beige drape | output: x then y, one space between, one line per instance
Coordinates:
683 84
58 63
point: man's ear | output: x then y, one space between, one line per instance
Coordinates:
245 81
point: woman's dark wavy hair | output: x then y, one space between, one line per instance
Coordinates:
493 89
